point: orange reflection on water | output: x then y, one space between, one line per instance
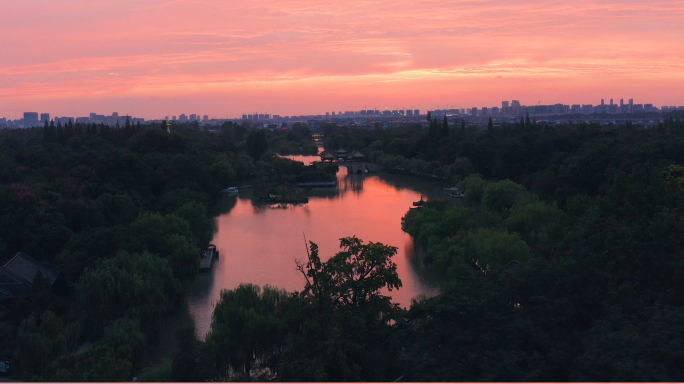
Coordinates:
260 245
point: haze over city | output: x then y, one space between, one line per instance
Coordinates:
158 58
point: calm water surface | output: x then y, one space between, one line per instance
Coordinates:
259 245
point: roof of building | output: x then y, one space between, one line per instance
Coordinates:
26 267
13 286
3 312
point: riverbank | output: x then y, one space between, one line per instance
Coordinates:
262 243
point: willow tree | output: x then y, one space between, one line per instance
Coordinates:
247 332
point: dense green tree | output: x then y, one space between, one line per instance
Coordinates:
141 286
459 169
200 224
342 320
502 195
126 339
99 364
39 342
247 331
256 143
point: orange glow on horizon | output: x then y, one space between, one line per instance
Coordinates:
164 57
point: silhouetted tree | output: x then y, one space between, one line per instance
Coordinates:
256 143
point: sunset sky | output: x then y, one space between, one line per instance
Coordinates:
151 58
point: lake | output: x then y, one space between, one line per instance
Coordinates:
259 245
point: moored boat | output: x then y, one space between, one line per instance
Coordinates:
207 257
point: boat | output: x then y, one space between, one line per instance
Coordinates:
231 190
458 195
207 257
213 248
419 203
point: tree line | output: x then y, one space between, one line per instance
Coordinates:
123 211
562 263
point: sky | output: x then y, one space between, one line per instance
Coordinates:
223 58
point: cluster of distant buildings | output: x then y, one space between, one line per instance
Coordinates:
329 115
507 110
33 119
514 108
183 118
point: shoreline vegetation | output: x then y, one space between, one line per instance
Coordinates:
564 262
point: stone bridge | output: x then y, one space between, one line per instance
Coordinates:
359 167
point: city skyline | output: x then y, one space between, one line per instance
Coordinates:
160 57
509 108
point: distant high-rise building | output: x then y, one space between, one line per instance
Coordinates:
166 117
622 102
115 115
31 119
602 102
183 118
205 118
193 117
173 118
92 116
416 112
44 117
409 113
515 104
504 104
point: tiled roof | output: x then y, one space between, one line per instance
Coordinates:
15 290
3 312
13 286
26 267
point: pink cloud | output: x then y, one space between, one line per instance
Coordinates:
296 57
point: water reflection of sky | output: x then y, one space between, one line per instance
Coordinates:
260 246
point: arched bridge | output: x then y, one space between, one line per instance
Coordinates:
359 166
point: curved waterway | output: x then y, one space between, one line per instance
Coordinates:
259 245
